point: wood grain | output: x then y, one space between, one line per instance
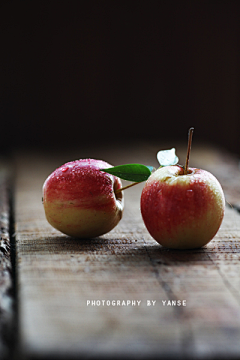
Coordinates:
58 275
6 281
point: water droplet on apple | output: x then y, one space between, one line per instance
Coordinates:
189 193
65 168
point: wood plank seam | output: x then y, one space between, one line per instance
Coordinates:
187 339
169 292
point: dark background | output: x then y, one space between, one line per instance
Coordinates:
86 72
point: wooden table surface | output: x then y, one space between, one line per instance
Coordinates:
67 298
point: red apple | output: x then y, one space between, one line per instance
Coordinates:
182 211
80 201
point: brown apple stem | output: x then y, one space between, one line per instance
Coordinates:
190 134
126 187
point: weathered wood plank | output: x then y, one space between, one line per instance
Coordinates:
58 275
6 281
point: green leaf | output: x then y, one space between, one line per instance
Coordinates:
131 172
167 157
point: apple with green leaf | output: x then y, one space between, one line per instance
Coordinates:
182 207
81 201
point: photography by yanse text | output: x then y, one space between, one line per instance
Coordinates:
136 303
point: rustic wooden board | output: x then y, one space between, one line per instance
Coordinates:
6 281
58 275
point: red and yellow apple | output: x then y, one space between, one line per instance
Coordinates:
182 211
80 200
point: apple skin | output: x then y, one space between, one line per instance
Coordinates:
80 201
182 211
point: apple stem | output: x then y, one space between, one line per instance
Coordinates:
126 187
190 134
